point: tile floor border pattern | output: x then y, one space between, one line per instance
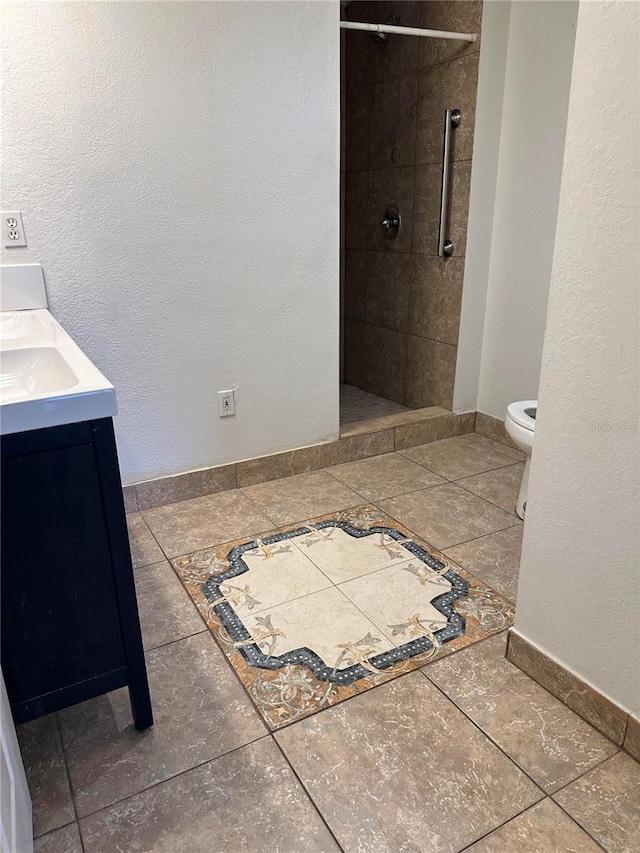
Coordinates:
287 695
360 441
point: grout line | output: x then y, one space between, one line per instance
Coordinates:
68 776
524 811
307 792
493 739
493 503
169 778
576 821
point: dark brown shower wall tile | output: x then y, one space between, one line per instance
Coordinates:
390 188
459 206
449 86
430 373
384 362
435 298
354 283
353 352
427 208
388 279
356 210
358 103
392 133
462 16
369 61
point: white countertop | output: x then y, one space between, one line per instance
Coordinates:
46 380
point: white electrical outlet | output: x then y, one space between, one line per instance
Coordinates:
226 403
13 229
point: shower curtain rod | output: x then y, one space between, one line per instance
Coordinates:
407 31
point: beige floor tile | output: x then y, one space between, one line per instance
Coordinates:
199 523
65 840
247 801
543 827
499 487
385 476
495 559
447 515
325 622
144 549
302 496
200 712
551 743
166 611
398 600
342 557
400 768
606 802
278 572
461 456
46 774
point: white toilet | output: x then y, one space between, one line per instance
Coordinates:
520 423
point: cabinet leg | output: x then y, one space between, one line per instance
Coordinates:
140 703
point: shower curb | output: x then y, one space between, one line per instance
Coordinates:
357 441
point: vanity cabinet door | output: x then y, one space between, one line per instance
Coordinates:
60 615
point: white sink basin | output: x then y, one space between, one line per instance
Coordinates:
45 378
32 371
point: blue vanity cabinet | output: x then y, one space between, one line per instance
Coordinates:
70 628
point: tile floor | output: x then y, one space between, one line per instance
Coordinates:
464 752
359 405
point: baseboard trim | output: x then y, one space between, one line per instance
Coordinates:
587 702
492 427
357 442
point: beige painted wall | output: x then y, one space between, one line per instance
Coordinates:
521 117
579 592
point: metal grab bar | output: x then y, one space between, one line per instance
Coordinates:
451 121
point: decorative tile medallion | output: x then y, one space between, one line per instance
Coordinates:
320 611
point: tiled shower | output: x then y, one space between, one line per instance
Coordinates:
400 301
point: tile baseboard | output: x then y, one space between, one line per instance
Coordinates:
587 702
358 441
492 427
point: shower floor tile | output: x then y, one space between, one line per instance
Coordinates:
359 405
322 610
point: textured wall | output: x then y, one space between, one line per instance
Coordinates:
536 97
402 302
579 593
177 168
